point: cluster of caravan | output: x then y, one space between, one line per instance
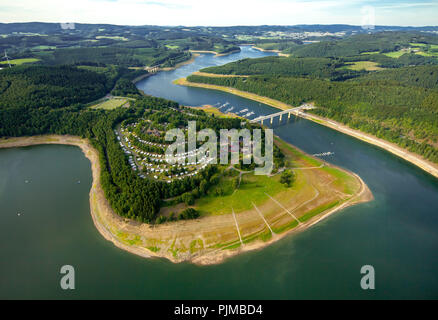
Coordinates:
154 165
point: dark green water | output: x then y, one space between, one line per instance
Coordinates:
397 233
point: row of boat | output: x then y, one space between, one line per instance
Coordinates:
242 113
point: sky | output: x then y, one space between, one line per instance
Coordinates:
223 12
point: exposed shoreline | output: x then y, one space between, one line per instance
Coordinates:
278 52
393 148
108 223
215 53
180 64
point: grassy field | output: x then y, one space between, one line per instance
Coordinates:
427 54
20 61
113 38
110 104
432 46
363 65
252 189
395 54
172 46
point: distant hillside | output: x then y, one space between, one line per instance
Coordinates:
296 67
361 43
50 28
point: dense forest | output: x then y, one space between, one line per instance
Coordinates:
127 57
39 86
393 110
284 66
421 76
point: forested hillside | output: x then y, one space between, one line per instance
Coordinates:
117 56
54 87
297 67
421 76
358 44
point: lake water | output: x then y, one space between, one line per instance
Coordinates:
46 223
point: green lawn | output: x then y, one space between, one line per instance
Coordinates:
252 189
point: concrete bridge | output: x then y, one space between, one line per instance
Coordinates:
295 111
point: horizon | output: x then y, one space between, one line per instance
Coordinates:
219 26
227 13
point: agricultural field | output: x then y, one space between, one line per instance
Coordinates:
363 65
110 104
396 54
20 61
112 38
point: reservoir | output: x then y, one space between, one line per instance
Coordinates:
45 223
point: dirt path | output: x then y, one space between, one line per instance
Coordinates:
237 226
261 216
284 208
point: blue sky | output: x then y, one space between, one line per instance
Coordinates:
223 12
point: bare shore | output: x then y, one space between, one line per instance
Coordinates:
214 52
141 239
419 161
275 51
180 64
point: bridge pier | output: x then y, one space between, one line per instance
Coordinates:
280 114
